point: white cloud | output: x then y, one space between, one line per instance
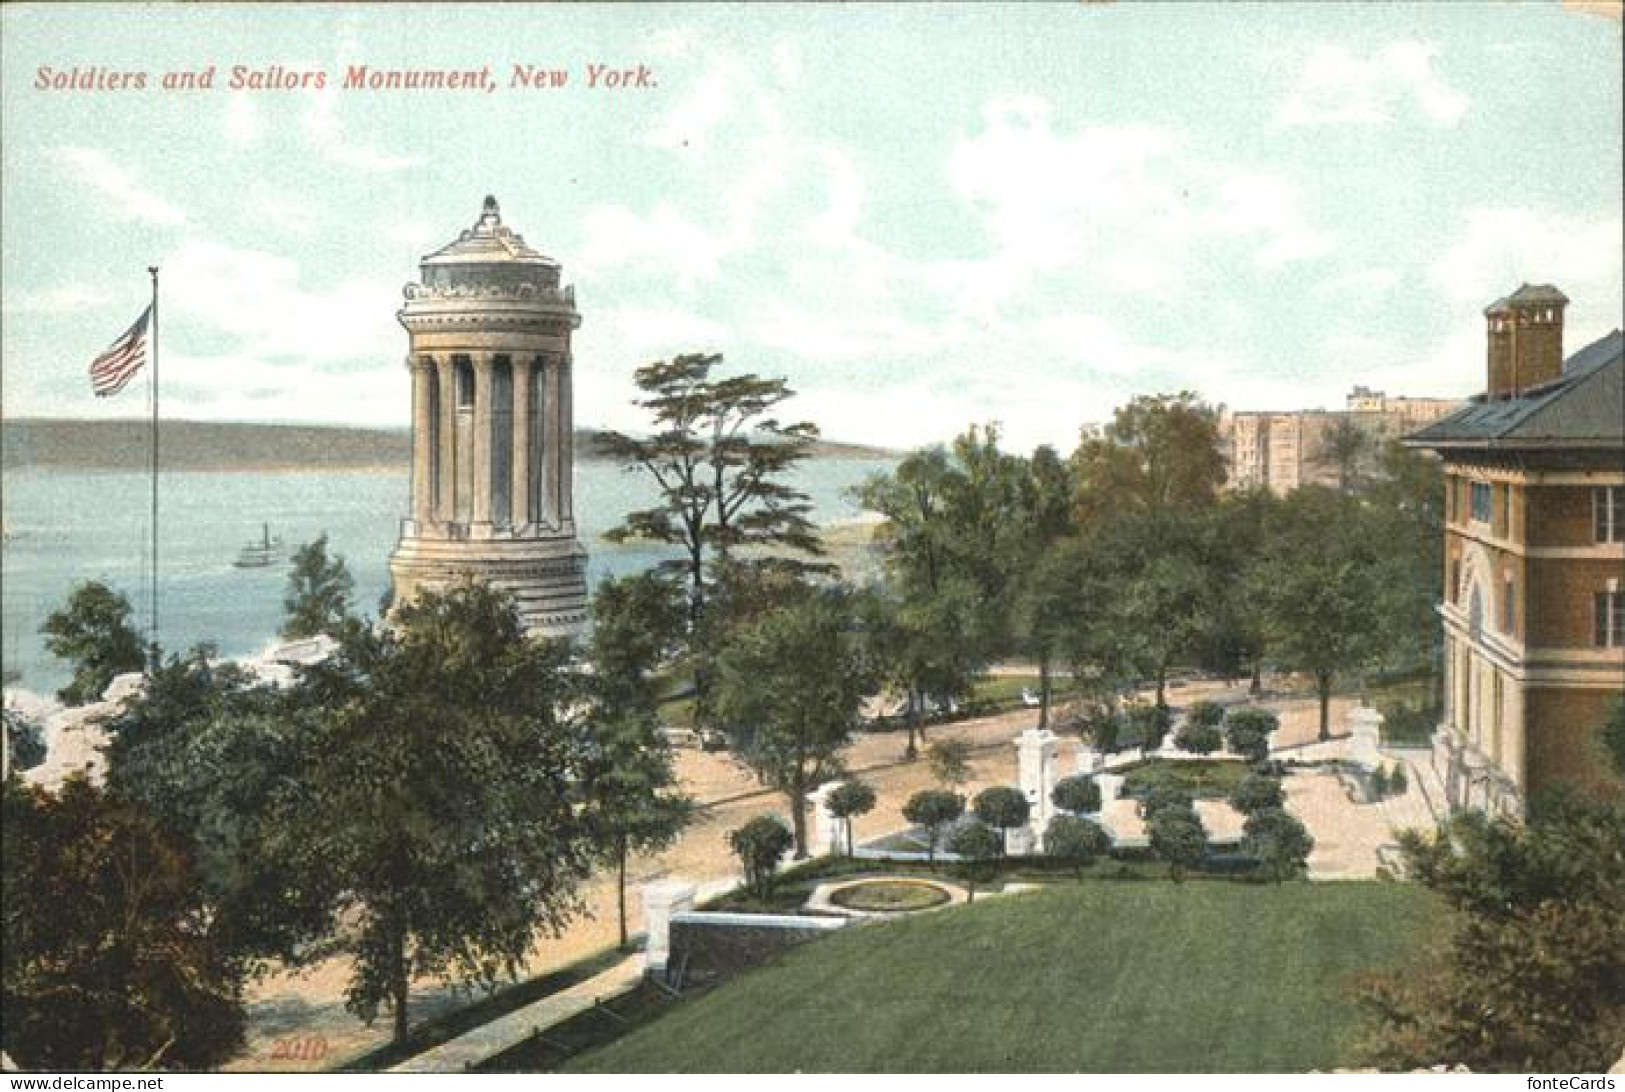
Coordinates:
63 299
1336 87
1501 248
690 122
104 174
241 122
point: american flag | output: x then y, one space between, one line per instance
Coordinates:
122 359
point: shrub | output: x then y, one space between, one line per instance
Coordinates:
1279 841
1398 783
1178 838
1198 739
950 762
1379 783
1076 840
1076 794
1257 792
1148 723
848 800
1404 723
760 845
1248 729
1002 807
977 846
1207 714
1165 796
933 809
1099 725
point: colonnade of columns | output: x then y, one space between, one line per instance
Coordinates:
491 442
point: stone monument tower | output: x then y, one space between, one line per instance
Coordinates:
489 327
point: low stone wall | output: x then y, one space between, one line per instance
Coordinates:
706 945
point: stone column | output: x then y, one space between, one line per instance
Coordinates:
662 900
446 374
551 454
422 442
519 492
483 427
1035 764
565 432
828 832
1365 726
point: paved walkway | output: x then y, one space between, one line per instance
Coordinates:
471 1048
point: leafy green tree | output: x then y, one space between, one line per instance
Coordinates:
1199 739
92 632
978 848
1527 977
109 961
1404 508
950 762
1247 730
789 690
1076 794
1076 840
760 845
1256 792
1003 808
935 810
1205 714
920 647
1148 723
1178 838
718 458
1346 450
318 597
24 741
1161 453
1238 639
1324 598
446 797
1167 602
1612 738
1166 796
849 800
628 785
1280 842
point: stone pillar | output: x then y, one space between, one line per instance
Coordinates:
550 442
422 442
484 424
446 374
1111 786
1035 764
661 901
565 438
1090 761
1365 726
519 492
828 832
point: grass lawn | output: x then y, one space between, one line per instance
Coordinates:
1203 778
1091 977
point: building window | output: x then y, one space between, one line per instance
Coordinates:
1482 503
1453 593
1610 619
1509 604
1608 512
1503 510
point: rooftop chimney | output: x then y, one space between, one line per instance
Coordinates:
1525 334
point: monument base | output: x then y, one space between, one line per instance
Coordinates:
545 573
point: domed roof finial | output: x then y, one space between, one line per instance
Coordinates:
491 206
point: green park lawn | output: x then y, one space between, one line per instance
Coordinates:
1090 977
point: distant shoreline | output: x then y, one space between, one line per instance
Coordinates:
121 445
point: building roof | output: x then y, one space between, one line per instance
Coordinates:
488 242
1585 407
1528 295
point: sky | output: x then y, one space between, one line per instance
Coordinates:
923 217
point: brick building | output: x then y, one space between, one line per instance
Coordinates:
1534 611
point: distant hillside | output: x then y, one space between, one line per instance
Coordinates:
229 446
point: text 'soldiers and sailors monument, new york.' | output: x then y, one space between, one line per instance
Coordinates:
490 326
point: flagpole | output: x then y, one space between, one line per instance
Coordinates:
153 633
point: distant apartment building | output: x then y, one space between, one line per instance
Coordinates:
1534 600
1282 450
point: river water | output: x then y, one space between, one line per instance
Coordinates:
63 527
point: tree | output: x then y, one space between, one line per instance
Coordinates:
24 741
1003 808
1166 796
108 958
1199 739
1280 842
318 597
1257 792
789 690
933 809
1323 595
950 762
1077 840
1205 714
627 781
1345 450
447 797
977 847
1161 453
1076 794
1178 838
849 800
718 458
760 845
92 632
1527 977
1247 730
1612 739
